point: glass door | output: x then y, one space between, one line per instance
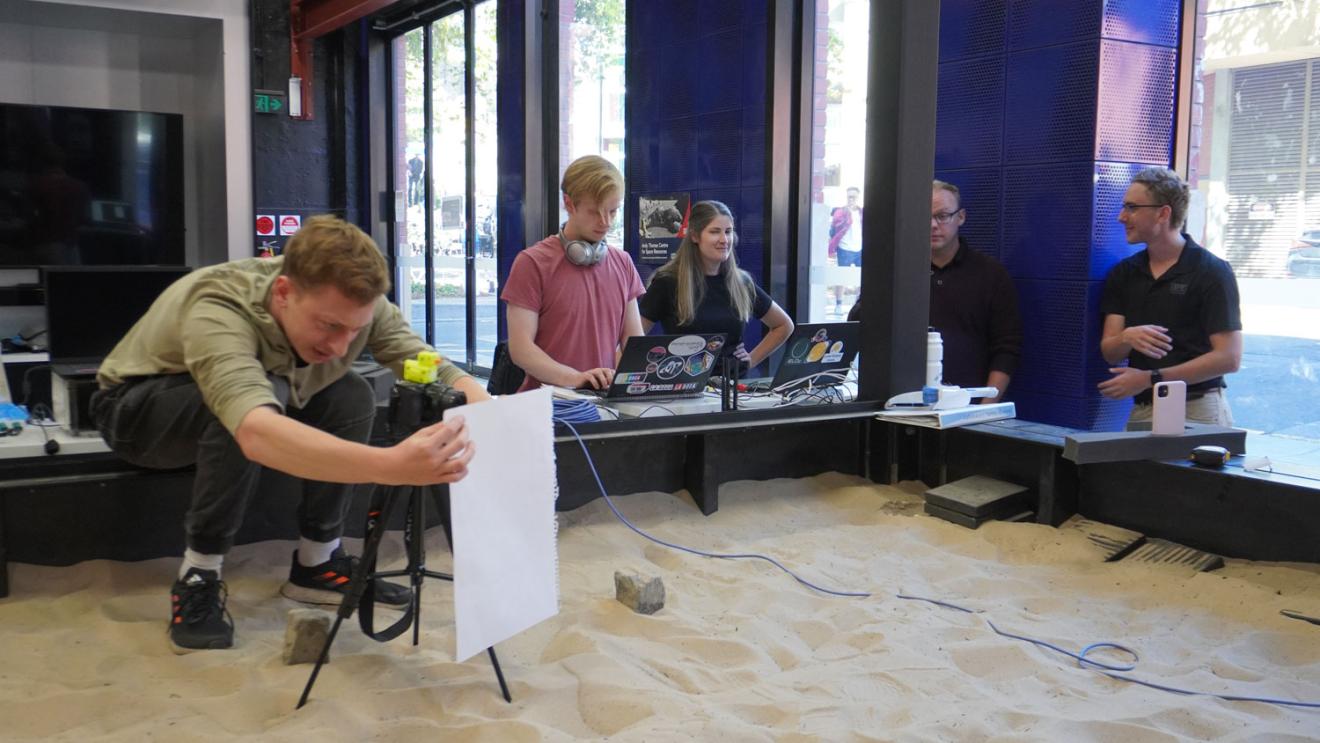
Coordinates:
445 181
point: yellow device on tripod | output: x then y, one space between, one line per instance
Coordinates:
423 369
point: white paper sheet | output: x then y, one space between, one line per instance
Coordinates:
506 574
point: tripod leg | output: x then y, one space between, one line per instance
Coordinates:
417 556
499 675
441 496
316 670
355 588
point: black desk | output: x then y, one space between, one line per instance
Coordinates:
24 465
1228 512
85 503
700 452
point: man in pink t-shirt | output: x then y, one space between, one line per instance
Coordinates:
572 300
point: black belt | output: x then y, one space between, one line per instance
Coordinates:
1144 398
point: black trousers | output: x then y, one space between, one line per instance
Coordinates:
162 422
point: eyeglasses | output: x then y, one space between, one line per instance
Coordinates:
944 217
1129 207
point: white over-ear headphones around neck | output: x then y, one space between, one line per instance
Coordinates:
581 252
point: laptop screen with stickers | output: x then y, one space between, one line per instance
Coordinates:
819 354
655 366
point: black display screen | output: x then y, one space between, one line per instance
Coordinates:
89 309
82 186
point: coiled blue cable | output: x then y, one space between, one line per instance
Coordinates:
575 411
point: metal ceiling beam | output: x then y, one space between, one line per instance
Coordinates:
320 17
312 19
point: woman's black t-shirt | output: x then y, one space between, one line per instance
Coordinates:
715 314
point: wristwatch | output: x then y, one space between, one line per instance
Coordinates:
1156 376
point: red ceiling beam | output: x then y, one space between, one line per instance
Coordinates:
312 19
320 17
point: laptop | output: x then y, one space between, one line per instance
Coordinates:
817 349
89 308
664 366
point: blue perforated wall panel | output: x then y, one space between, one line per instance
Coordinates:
972 28
1087 92
1037 23
1096 412
1053 231
969 117
1136 106
1050 104
1061 337
697 113
1145 21
1047 221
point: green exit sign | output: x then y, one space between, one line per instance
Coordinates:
268 102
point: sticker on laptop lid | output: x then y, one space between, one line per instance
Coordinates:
697 364
686 345
670 368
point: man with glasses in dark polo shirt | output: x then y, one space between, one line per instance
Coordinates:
1170 310
973 303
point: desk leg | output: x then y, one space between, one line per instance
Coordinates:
880 452
932 466
1057 488
700 476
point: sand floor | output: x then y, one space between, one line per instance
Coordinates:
740 652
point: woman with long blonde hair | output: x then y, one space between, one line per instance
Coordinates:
702 290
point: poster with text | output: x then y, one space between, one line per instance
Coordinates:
663 221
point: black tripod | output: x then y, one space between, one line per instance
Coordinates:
361 587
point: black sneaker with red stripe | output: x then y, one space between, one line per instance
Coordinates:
198 618
327 583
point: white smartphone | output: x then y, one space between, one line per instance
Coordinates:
1169 400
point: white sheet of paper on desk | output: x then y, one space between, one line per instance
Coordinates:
506 575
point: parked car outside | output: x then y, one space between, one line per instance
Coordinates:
1304 254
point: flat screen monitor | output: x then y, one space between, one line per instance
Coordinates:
82 186
88 309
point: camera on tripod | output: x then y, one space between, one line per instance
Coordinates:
418 400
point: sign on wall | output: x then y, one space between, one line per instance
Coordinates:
268 101
273 231
663 221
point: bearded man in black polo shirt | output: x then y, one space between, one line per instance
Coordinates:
1172 309
973 303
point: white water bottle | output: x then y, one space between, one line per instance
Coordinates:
934 359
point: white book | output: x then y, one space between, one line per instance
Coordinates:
951 418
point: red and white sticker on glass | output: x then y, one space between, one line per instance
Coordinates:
289 224
265 225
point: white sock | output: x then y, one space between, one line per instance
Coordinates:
200 561
311 554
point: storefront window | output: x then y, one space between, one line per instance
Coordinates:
838 157
1254 166
591 88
